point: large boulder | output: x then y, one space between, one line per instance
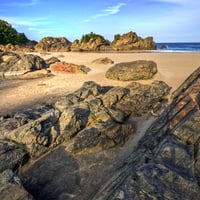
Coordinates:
12 64
131 41
51 44
129 71
36 130
91 42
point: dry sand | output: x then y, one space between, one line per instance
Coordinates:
16 95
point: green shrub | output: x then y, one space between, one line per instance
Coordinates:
86 38
10 35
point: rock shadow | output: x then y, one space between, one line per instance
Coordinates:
54 176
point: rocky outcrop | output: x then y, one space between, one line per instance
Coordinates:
36 130
129 71
78 116
51 44
91 42
165 164
104 61
12 64
70 68
131 41
91 120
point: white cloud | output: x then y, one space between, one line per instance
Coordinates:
112 10
109 11
21 4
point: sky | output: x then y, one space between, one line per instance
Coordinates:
165 20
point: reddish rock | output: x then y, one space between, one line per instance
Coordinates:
69 68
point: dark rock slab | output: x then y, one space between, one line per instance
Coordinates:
165 164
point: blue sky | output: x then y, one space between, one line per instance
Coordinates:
165 20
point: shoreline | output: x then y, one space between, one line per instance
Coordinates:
17 95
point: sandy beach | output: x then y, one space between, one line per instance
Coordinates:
16 95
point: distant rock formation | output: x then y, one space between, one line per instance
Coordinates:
52 44
91 42
12 41
126 42
70 68
131 41
130 71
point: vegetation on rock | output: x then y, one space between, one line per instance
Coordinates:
10 35
86 38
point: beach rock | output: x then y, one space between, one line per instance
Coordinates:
51 60
143 98
102 117
12 188
88 89
104 60
131 41
129 71
12 155
91 42
36 131
165 165
164 46
52 44
100 136
74 119
70 68
12 64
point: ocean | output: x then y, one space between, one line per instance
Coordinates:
179 47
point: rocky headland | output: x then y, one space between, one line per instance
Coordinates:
89 42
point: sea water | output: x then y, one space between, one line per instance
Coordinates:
179 47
